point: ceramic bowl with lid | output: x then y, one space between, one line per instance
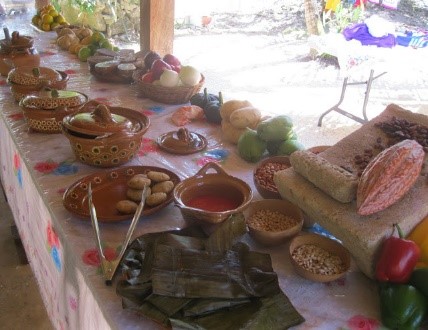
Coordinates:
210 198
45 110
17 51
27 80
105 136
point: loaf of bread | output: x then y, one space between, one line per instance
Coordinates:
330 178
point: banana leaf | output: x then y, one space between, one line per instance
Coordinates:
206 306
184 280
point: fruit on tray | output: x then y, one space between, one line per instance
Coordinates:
47 18
389 176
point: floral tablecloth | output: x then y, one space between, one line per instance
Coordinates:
36 169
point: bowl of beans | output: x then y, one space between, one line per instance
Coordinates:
273 221
319 258
263 175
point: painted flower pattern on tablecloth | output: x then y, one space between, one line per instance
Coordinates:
70 71
53 246
91 257
153 110
215 155
51 167
17 169
148 146
3 82
16 116
360 322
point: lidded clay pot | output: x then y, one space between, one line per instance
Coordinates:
27 80
105 136
17 51
45 110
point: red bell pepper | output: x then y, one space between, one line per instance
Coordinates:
397 259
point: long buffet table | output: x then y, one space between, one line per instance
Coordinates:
36 169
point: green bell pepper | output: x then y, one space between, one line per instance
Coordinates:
402 306
419 279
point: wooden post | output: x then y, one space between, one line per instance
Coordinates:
157 26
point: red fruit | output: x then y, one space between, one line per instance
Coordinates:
148 77
157 68
172 60
176 68
149 58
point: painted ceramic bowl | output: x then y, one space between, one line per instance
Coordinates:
211 198
273 221
319 258
45 110
28 80
105 136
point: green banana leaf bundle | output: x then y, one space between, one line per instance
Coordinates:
185 280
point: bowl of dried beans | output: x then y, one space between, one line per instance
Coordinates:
264 172
273 221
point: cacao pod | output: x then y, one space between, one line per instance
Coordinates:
389 176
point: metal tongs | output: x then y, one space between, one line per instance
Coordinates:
109 268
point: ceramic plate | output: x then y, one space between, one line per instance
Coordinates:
200 143
109 187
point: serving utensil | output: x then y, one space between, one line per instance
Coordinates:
109 267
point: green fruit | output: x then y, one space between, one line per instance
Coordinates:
289 146
250 146
419 279
97 36
106 44
278 128
84 53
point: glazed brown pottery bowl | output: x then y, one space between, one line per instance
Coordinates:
105 136
21 86
263 175
273 221
211 198
333 261
45 110
16 52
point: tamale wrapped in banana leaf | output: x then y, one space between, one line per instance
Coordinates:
198 282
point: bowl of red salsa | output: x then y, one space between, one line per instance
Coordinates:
211 197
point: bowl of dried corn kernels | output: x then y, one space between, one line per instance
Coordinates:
273 221
319 258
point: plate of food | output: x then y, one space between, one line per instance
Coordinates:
117 192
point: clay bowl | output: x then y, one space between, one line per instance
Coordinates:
105 136
45 110
327 245
225 194
263 175
18 58
273 221
20 91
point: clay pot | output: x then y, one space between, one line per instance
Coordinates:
105 136
24 80
45 110
16 52
218 184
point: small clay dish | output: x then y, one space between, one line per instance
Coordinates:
16 43
263 175
182 142
273 221
210 198
95 59
333 262
105 136
44 111
30 75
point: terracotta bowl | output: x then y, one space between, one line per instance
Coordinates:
45 114
331 246
267 231
20 91
212 187
105 148
263 175
19 58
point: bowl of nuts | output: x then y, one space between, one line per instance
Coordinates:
319 258
263 175
273 221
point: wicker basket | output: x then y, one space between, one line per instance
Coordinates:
167 95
